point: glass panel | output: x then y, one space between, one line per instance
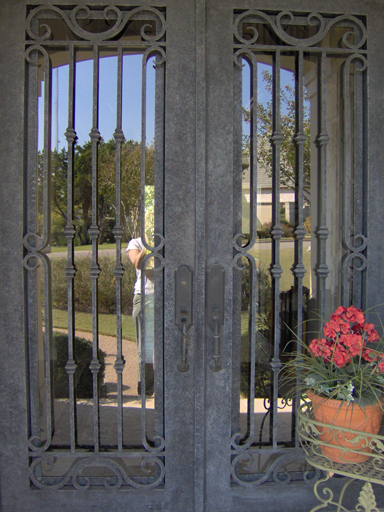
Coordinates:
261 249
299 145
93 383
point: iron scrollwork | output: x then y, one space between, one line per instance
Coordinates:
256 31
277 472
39 42
286 18
361 241
81 482
113 14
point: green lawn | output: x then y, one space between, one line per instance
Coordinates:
107 323
85 247
264 257
286 262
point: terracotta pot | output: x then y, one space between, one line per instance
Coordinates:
337 412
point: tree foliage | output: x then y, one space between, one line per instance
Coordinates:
130 187
288 130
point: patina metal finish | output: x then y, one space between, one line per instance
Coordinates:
248 43
197 459
183 311
41 42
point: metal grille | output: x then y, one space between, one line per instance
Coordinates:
56 36
327 53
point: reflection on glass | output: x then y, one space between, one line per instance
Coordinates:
56 418
269 400
296 209
330 215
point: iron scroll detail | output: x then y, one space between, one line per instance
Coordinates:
43 42
257 35
117 480
111 14
284 19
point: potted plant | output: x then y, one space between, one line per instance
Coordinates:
342 373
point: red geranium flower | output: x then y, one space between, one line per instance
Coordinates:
350 314
381 365
369 355
341 357
321 348
353 314
338 313
335 327
354 342
339 364
372 334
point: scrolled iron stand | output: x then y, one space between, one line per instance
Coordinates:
370 471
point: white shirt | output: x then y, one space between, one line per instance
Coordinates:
137 244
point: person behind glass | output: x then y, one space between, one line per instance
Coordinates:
136 252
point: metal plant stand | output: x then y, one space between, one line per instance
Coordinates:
370 471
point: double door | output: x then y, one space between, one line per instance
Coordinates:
252 208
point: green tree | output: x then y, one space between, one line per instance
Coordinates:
130 183
288 129
82 217
83 190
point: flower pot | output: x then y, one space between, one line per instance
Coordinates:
337 412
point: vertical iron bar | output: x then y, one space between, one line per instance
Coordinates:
47 150
346 151
118 232
94 233
364 171
358 179
144 241
298 268
69 231
46 182
277 232
322 141
253 237
237 228
253 152
159 228
31 220
351 237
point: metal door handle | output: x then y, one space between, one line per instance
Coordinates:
183 365
183 311
215 364
215 311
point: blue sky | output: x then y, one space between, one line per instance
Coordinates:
263 96
107 99
131 119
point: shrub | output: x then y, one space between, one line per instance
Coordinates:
307 225
265 229
83 285
264 288
83 375
262 380
287 229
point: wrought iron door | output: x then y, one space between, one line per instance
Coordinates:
252 208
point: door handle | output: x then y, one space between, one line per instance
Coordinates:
215 310
183 311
